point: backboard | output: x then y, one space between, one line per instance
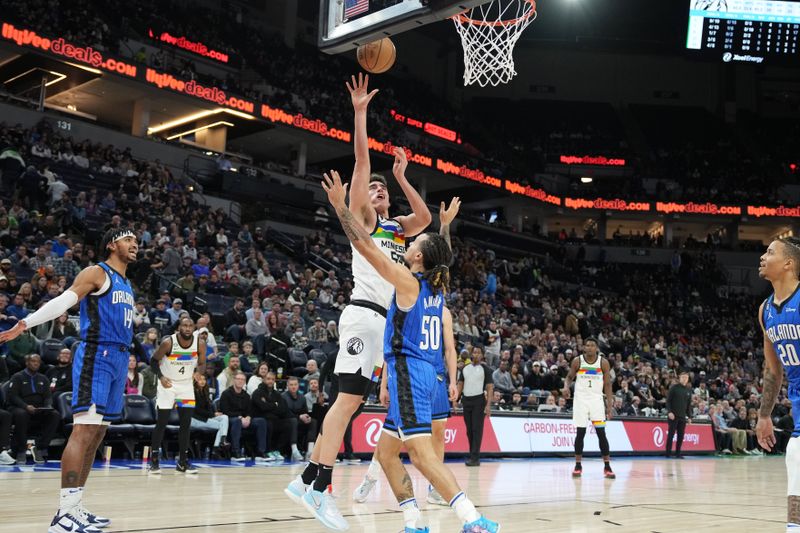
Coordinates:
347 24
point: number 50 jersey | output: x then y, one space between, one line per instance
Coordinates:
416 332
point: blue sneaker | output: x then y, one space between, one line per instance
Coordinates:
91 519
296 489
416 530
481 525
322 506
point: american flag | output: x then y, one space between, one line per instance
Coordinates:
355 7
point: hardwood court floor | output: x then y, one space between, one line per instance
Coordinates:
649 495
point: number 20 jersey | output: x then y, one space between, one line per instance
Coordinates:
782 327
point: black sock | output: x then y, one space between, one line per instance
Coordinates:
310 473
323 478
577 464
607 464
184 431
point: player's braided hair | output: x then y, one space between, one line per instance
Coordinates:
436 259
791 247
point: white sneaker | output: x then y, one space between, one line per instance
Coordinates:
297 457
323 507
296 489
277 455
90 518
362 491
71 523
436 499
6 459
726 451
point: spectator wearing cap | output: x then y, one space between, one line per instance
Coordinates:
318 332
552 381
201 268
60 376
61 245
534 378
175 311
160 318
141 315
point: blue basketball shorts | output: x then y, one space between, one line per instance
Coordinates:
410 382
441 399
99 373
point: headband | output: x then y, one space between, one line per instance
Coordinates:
121 234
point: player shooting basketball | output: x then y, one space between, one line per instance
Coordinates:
360 358
417 325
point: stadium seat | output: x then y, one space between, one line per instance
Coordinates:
297 357
50 349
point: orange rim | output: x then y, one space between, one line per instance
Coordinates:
462 18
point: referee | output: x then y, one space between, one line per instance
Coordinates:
475 387
679 405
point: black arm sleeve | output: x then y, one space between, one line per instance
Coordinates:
671 399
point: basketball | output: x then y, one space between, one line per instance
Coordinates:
377 57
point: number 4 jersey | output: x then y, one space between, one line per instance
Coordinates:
416 332
178 366
782 327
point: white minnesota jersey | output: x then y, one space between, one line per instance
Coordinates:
589 380
179 364
368 285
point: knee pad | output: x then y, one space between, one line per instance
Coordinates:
603 440
579 436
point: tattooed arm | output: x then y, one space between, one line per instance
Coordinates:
396 274
773 378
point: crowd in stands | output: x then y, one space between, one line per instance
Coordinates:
693 153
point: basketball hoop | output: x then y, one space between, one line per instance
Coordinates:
489 34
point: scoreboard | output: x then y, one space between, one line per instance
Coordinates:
745 31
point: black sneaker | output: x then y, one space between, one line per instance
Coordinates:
577 471
473 462
186 467
155 467
38 457
608 473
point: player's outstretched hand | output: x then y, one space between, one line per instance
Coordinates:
337 191
13 333
359 91
400 163
446 216
765 433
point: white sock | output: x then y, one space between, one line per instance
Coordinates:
464 509
70 499
294 449
310 448
374 470
410 512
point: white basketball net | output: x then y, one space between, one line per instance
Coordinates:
488 33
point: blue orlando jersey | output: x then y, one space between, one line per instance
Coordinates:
417 332
782 326
107 318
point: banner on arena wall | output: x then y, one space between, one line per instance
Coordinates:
91 58
518 434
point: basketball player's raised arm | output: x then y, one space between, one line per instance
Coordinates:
609 393
450 352
773 378
446 217
573 371
89 280
359 188
398 275
420 217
